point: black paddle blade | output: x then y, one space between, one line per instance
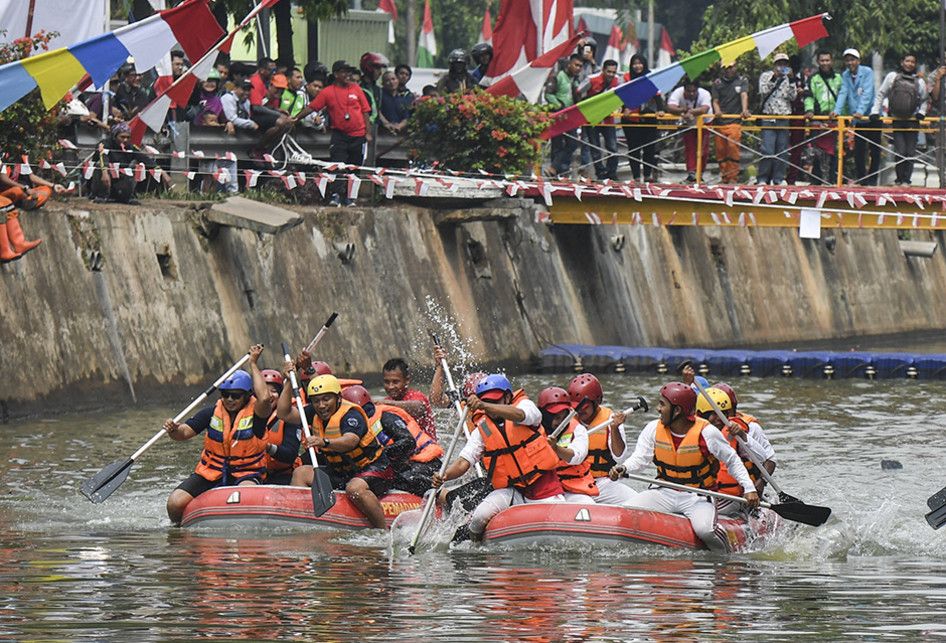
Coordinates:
800 512
937 500
322 497
102 484
787 499
937 517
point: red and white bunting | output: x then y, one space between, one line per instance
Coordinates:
251 177
289 181
321 183
140 174
61 168
420 187
389 183
354 184
65 143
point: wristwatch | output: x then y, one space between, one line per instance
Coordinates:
325 444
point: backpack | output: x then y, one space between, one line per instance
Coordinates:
903 99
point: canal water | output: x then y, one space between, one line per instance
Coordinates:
72 570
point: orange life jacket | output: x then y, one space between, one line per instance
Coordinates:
275 431
599 457
425 447
365 452
575 478
515 455
725 481
231 447
685 464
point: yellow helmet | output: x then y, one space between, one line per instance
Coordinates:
717 395
323 384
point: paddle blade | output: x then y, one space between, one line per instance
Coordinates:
937 500
937 517
102 484
787 499
323 498
800 512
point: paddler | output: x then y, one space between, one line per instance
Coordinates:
396 376
571 446
413 454
234 427
282 439
354 457
520 464
606 444
736 429
686 450
755 427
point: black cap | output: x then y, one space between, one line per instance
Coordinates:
247 83
340 65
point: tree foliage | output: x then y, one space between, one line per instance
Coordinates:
27 127
477 131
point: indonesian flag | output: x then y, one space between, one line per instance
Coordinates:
426 44
613 50
666 53
582 26
530 79
631 45
486 31
525 30
388 7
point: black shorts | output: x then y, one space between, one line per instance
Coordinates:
281 477
264 118
196 484
415 478
379 476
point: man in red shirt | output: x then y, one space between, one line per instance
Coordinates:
347 110
175 112
396 376
264 72
604 81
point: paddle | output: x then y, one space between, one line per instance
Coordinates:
937 500
318 336
105 482
429 503
795 511
562 426
937 517
640 406
454 395
323 498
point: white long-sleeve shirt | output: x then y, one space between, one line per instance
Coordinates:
577 442
473 450
716 444
758 434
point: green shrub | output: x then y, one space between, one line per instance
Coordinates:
477 131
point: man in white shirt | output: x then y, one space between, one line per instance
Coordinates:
690 101
687 450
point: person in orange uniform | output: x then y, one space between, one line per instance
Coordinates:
353 454
414 455
233 428
738 429
282 439
520 464
686 450
574 471
13 243
604 446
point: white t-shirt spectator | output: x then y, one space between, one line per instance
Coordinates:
703 99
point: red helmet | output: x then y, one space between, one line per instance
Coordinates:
371 59
679 394
584 386
321 368
469 384
727 389
357 394
272 376
554 400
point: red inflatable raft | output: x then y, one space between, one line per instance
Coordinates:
269 506
538 523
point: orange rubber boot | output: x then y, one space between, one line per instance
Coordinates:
15 234
6 253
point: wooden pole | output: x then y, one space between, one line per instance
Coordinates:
411 32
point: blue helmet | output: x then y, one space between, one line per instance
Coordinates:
703 382
239 381
494 382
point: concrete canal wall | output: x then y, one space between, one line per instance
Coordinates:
156 296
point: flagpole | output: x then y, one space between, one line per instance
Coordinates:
940 156
651 32
411 6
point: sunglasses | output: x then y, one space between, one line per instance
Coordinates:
231 395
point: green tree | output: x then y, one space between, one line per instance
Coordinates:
27 127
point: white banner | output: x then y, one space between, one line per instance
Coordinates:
75 20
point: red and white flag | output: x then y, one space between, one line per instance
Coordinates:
486 31
667 53
530 78
388 7
631 45
525 30
615 44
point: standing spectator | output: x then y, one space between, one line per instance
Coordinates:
604 169
777 91
130 97
404 74
822 96
482 55
730 96
640 126
223 68
293 98
265 68
906 103
559 96
314 86
856 99
458 78
395 109
587 49
798 152
373 65
175 111
691 101
347 111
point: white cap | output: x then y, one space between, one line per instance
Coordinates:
852 52
780 56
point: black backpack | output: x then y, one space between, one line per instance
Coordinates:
903 99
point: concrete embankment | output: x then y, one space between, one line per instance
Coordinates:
154 297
